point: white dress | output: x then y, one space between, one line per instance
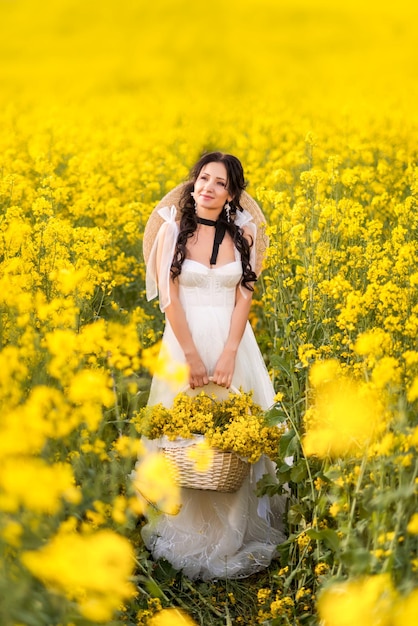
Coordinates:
218 535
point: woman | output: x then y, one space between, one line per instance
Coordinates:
203 267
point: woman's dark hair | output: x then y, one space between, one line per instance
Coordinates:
188 222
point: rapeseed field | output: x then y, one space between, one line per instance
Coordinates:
104 108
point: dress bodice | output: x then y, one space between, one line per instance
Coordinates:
202 286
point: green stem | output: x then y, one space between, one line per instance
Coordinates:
202 598
353 506
308 469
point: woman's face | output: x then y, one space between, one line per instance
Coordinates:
210 189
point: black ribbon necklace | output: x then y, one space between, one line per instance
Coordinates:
220 229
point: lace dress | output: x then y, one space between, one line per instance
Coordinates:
217 535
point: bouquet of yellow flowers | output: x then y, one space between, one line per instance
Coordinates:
236 424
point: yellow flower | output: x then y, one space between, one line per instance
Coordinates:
374 342
263 595
171 617
155 482
71 280
92 569
303 540
307 353
386 371
411 357
366 601
202 455
319 483
321 569
120 505
160 364
334 509
62 344
324 371
346 417
412 527
11 533
91 386
54 483
385 446
129 447
406 610
412 394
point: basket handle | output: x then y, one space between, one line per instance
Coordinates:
230 389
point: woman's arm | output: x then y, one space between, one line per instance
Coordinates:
225 366
176 316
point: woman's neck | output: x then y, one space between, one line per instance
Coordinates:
206 222
208 214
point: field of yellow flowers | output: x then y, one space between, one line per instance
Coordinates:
104 107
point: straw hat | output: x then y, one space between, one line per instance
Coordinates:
173 197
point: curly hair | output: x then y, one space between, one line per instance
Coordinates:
188 222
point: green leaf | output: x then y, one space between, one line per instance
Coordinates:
299 472
275 415
383 500
267 485
357 559
283 474
281 364
327 535
288 444
154 589
295 514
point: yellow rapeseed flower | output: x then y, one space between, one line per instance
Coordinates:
324 371
128 447
412 393
11 532
405 611
91 386
92 569
263 594
35 484
373 342
202 455
412 527
159 362
367 601
386 372
171 617
155 482
70 280
345 418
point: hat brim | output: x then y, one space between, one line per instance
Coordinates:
173 197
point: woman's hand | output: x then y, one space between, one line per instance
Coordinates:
224 369
198 376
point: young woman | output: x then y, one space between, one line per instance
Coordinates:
202 250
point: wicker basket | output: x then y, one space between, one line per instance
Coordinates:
227 470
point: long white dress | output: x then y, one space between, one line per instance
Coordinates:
218 535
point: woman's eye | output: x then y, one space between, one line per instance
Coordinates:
222 184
